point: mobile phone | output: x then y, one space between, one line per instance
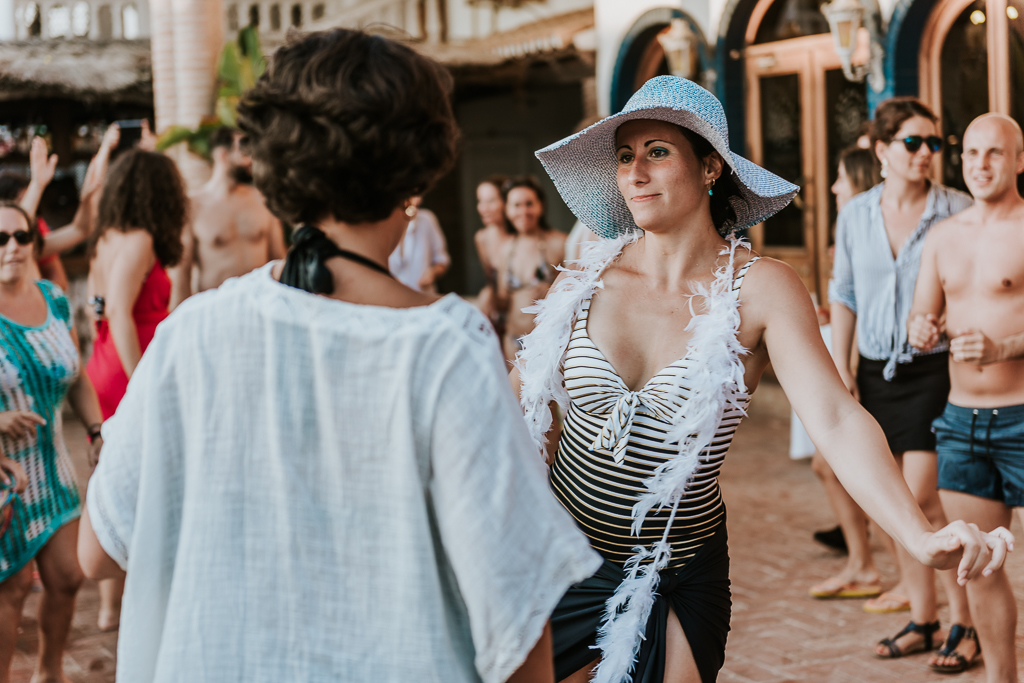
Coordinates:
131 133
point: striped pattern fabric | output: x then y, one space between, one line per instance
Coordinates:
37 367
612 441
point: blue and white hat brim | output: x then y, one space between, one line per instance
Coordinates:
583 166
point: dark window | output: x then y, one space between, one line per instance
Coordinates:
787 19
105 22
964 86
275 17
318 11
233 18
296 15
783 154
254 15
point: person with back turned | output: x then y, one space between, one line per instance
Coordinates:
319 473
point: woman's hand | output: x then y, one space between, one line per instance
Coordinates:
94 451
978 553
12 472
19 423
42 165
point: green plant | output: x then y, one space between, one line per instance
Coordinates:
241 63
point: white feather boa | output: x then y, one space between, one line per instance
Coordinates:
715 381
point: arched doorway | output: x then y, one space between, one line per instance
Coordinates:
971 61
801 113
642 56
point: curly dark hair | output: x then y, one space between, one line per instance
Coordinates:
725 192
892 113
349 125
144 190
531 183
33 224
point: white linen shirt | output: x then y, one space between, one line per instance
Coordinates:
422 247
303 489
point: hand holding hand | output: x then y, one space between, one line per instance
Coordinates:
19 423
972 346
923 332
41 164
11 471
978 553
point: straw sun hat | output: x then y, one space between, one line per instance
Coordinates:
583 166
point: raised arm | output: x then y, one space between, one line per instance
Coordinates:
923 323
849 439
42 167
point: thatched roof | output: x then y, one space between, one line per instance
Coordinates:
118 70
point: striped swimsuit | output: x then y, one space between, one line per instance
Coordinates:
37 367
613 439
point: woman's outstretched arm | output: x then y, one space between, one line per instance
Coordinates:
851 441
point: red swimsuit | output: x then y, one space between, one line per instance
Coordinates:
105 368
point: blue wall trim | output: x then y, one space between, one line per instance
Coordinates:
731 84
903 44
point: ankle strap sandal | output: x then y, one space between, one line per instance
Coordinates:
926 645
957 633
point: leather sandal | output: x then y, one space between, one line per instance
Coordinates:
928 644
957 633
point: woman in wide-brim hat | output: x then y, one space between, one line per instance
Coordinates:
652 346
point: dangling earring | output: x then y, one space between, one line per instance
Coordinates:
885 169
411 210
711 188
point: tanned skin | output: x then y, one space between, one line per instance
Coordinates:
231 233
972 271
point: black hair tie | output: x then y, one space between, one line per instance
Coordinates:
304 266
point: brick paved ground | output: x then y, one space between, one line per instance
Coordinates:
778 633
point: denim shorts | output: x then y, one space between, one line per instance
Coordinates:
981 452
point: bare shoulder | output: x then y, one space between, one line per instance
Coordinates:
952 228
771 283
558 237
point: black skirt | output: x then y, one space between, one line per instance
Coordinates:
698 593
906 407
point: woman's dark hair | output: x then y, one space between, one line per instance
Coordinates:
12 184
861 168
529 182
348 125
144 190
723 215
33 224
892 113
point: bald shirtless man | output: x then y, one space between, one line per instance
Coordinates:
232 230
972 270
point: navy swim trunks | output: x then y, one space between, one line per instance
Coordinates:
981 452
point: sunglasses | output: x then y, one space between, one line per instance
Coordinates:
914 142
22 237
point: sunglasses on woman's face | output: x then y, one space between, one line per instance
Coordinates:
22 237
914 142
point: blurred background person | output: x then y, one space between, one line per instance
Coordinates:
527 268
142 213
858 172
422 255
879 238
231 231
491 241
39 367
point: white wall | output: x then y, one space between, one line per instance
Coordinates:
466 21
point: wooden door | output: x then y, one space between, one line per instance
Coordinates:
801 113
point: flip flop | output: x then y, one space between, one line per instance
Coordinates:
887 603
833 588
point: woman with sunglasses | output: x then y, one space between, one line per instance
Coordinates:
39 367
879 237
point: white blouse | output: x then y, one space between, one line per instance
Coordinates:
303 489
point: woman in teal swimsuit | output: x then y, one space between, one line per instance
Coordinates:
39 366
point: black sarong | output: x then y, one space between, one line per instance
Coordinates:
698 593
